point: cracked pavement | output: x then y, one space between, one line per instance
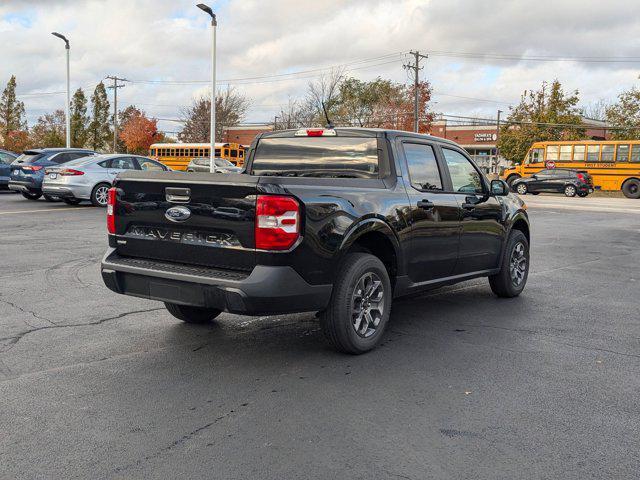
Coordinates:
465 385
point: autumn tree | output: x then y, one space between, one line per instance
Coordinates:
17 140
231 108
139 132
78 119
544 115
12 116
624 115
49 131
99 131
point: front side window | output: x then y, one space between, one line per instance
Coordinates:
578 153
553 152
464 177
607 153
622 153
593 153
423 167
330 157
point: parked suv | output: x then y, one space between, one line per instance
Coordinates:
6 158
555 180
27 171
339 221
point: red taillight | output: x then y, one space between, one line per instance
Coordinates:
70 171
32 168
315 132
580 177
277 222
112 199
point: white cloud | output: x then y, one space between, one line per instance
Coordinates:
167 39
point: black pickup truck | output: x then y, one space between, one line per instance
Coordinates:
338 221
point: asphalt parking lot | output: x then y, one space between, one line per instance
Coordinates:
465 385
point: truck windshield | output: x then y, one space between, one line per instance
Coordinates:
336 157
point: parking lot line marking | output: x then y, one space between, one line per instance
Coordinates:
42 210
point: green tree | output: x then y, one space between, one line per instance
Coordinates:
547 114
79 119
49 130
625 116
12 117
99 132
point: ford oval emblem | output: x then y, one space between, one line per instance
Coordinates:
177 214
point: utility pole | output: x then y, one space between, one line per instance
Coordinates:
495 163
115 88
416 82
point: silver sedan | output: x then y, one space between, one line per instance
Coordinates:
89 178
202 165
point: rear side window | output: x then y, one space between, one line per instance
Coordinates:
329 157
146 164
423 167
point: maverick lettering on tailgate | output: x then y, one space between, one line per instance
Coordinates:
183 236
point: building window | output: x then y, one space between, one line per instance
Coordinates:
593 153
578 153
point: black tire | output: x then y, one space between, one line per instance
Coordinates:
511 179
49 198
570 191
192 314
98 195
31 196
361 273
583 194
631 188
71 201
504 283
521 188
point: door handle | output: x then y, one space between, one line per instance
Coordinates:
425 204
469 206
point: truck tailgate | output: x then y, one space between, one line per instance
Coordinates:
196 218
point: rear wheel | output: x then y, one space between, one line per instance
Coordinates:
631 188
570 191
99 195
71 201
49 198
31 196
360 305
512 277
583 194
522 189
192 314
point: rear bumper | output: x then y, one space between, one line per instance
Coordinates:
60 192
267 290
19 186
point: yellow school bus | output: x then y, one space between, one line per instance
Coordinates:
613 164
178 155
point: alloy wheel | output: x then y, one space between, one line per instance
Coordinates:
518 263
367 304
102 195
522 189
570 191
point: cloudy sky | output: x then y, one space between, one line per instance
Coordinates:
482 54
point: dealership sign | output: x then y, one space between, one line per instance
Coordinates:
485 137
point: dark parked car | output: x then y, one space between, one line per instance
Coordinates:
6 158
556 180
338 221
28 170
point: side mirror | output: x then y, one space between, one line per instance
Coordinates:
534 176
499 188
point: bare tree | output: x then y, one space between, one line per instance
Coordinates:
325 90
596 110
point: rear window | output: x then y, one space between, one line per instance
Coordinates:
28 157
332 157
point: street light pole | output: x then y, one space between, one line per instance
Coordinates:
67 106
214 24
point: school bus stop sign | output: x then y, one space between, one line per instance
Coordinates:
550 164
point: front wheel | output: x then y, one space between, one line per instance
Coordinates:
360 305
570 191
31 196
522 189
192 314
512 277
100 194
